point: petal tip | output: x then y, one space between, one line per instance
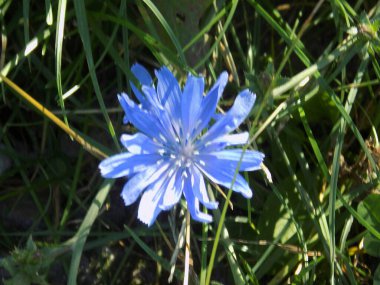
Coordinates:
247 194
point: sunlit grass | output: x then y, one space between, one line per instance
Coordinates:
314 67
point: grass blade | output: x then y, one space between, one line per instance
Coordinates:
81 16
169 30
80 237
58 53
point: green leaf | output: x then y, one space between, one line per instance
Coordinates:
369 210
30 244
372 245
17 280
376 276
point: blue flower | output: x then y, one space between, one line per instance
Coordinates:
171 155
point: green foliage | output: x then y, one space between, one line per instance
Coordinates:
369 210
26 266
314 66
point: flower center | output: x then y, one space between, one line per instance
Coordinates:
185 155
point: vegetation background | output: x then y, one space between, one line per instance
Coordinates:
314 66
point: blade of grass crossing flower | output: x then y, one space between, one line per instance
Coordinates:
81 17
169 31
58 53
238 277
80 237
94 150
336 163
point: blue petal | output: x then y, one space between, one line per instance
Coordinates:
233 118
124 105
193 203
124 164
173 191
209 103
151 199
144 78
224 141
152 98
199 189
191 102
169 93
139 144
148 208
142 120
250 161
136 185
142 74
161 113
223 175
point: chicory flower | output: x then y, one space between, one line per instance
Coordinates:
172 153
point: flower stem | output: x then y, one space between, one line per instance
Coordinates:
187 250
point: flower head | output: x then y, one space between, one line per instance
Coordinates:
170 155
